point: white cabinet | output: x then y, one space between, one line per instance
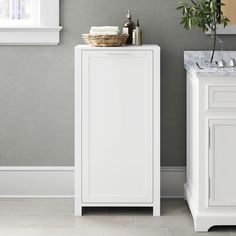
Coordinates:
211 148
117 127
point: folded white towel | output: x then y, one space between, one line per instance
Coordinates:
104 33
104 30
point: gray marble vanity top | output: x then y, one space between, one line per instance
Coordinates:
201 57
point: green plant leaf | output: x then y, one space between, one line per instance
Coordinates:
202 14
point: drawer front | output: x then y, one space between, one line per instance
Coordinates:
222 96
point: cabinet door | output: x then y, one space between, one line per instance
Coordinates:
117 119
222 162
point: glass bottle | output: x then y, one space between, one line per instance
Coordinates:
128 28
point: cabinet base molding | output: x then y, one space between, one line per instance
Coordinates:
203 221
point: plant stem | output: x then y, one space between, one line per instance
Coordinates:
214 45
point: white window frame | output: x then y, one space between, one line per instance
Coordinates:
44 31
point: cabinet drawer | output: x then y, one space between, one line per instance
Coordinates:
222 96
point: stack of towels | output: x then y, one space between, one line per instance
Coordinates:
104 30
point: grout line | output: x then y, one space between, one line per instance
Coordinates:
135 224
168 233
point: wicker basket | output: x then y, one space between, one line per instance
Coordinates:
105 40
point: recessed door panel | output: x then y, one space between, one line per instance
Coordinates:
222 162
117 126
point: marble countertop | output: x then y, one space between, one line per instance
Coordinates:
201 57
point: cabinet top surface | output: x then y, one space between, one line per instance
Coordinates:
191 58
131 47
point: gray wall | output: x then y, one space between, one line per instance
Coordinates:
36 82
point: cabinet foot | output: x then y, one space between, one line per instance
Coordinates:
156 211
201 226
78 211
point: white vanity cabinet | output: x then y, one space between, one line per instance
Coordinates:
117 127
211 146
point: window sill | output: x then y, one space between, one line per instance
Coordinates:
38 35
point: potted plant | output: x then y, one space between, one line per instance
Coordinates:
204 15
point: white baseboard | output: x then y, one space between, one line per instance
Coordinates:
58 182
172 182
36 182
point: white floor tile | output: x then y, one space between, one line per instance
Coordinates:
49 217
44 221
179 222
215 232
121 231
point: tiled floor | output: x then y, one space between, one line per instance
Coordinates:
54 217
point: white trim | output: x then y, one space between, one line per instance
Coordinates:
20 182
30 35
173 169
30 28
36 181
172 182
49 12
37 168
37 196
111 204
